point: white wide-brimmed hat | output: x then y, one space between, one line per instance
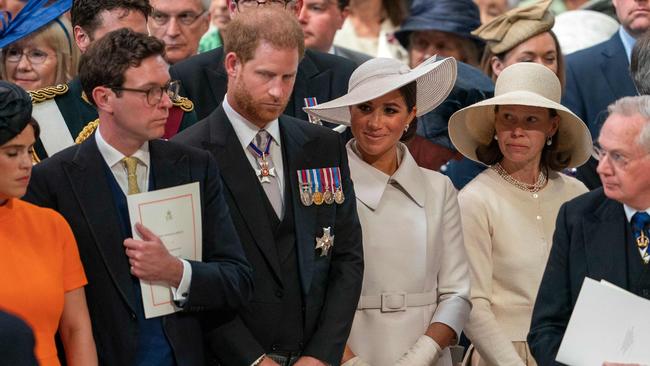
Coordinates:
527 84
380 76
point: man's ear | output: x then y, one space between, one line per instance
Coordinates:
103 98
297 7
232 7
81 38
232 64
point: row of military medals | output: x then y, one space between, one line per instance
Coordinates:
312 180
322 185
642 242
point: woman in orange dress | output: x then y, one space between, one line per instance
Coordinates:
42 275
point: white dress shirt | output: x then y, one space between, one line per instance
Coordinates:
246 132
113 159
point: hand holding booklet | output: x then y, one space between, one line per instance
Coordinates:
608 324
174 215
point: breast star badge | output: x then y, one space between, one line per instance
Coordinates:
325 242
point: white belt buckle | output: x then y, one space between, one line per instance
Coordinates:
393 301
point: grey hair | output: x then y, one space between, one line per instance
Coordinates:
206 4
640 65
629 106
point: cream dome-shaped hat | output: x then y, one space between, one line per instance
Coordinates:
380 76
528 84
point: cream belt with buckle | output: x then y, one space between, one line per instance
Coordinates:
396 301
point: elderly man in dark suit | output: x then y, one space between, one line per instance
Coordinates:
292 202
599 75
126 78
320 75
602 234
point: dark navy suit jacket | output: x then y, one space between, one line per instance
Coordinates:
330 285
73 182
595 78
204 80
589 241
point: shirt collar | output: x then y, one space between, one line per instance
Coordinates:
629 212
370 183
245 130
112 156
628 42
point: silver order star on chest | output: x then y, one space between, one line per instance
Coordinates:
264 172
325 242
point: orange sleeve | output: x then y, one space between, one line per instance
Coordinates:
73 271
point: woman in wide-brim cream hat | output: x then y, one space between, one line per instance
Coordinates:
526 137
415 295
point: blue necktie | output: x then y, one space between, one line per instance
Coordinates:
640 226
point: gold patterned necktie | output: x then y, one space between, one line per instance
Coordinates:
131 164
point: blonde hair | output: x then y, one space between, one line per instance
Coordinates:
57 35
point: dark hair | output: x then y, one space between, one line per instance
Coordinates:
486 60
410 94
552 159
86 13
640 64
343 4
396 11
106 60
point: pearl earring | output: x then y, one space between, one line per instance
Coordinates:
496 137
406 128
549 141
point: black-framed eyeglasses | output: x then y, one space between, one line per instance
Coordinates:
155 93
184 18
249 4
34 56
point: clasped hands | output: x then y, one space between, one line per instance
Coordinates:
150 260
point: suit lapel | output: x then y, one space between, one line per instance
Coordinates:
310 82
87 175
240 179
605 243
218 81
614 62
169 170
298 157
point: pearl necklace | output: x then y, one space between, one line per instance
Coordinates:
535 187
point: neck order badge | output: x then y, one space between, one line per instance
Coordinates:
265 170
640 225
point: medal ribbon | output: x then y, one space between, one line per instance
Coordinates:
315 175
266 149
337 178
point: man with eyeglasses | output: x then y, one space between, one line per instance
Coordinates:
127 79
320 75
180 24
64 111
602 234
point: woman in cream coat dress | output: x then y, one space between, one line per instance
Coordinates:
415 296
509 210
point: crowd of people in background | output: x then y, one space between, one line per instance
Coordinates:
382 182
